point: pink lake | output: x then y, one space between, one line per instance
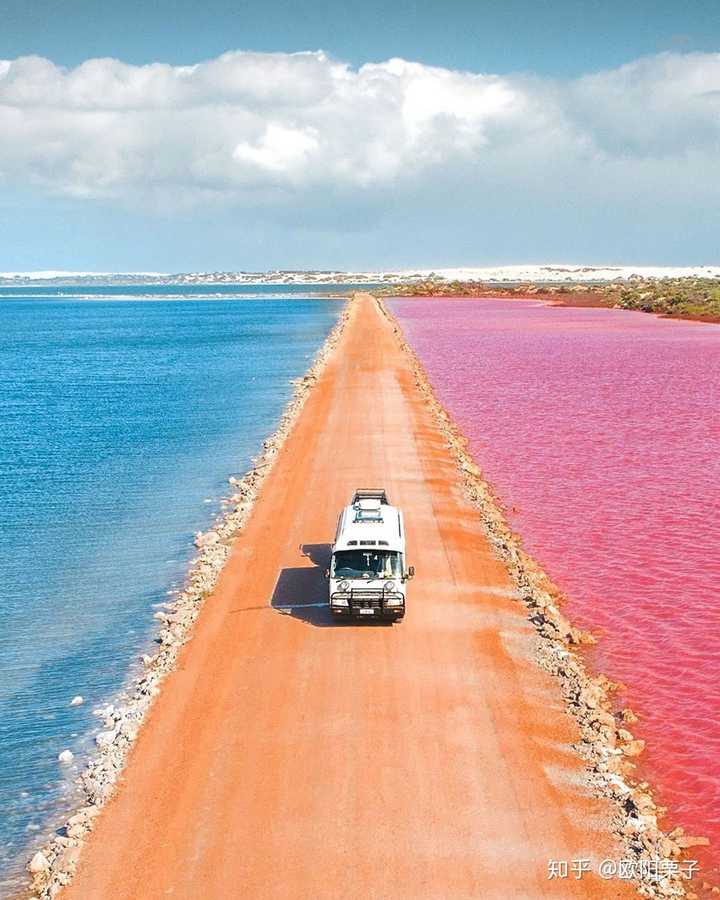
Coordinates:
600 431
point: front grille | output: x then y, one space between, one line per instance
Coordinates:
361 599
366 599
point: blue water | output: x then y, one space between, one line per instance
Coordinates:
121 422
178 292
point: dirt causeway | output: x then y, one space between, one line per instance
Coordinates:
288 757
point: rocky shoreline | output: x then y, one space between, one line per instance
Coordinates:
53 865
606 743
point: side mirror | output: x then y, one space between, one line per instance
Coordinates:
327 573
410 572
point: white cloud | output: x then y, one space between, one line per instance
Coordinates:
281 150
273 130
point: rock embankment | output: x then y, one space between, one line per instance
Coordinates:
606 742
53 866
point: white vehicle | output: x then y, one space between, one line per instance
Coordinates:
367 571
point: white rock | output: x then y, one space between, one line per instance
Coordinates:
67 756
77 700
105 738
39 863
207 539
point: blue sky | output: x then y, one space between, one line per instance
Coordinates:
518 132
551 37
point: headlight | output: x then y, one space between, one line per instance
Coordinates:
344 585
339 601
396 600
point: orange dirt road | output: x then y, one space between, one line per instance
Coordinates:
292 758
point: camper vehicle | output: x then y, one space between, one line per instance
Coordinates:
367 571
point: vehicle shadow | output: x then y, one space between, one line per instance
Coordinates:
302 592
317 553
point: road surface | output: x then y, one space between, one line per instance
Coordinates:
289 757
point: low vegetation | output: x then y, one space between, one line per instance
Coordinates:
685 298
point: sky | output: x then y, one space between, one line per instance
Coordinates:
177 136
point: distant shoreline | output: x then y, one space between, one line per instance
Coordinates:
691 299
548 275
673 292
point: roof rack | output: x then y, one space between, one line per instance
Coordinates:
370 494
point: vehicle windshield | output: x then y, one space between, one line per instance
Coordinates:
366 563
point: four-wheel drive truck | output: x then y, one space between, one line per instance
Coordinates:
367 574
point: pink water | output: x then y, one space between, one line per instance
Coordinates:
600 430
